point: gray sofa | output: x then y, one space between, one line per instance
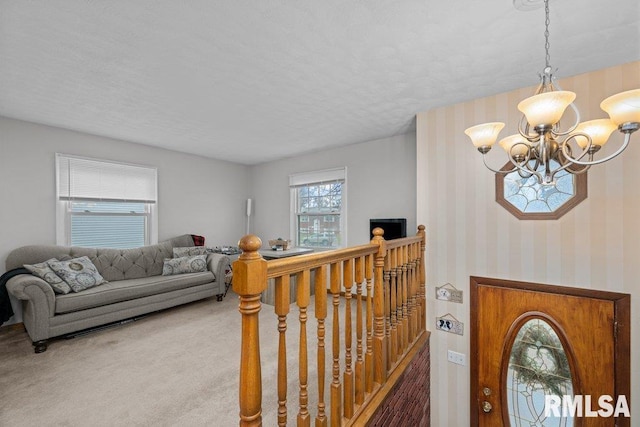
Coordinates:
135 286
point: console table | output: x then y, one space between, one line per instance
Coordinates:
271 254
269 295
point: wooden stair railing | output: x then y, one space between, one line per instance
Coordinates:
389 320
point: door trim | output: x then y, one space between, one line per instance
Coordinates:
622 346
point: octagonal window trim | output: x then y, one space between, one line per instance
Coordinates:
580 194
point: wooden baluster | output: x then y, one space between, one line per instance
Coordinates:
321 315
304 292
415 312
393 327
399 306
405 301
336 386
282 309
249 281
379 339
347 381
368 357
422 277
410 319
388 290
360 385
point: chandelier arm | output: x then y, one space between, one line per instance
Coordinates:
580 171
571 161
627 138
569 164
575 124
524 168
523 175
571 171
484 160
525 132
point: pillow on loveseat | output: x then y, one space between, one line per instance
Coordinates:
43 271
187 264
189 251
79 273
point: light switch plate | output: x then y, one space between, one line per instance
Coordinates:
457 358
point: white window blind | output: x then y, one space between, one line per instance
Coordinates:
104 203
91 179
318 177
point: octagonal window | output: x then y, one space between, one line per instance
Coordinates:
526 198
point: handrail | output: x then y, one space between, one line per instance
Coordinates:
389 321
291 265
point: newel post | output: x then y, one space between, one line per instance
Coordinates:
379 339
249 281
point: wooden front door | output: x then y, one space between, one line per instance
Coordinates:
531 342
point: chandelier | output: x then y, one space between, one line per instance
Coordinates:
541 148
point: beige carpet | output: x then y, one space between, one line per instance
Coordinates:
176 367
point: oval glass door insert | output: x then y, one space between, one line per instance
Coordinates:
538 367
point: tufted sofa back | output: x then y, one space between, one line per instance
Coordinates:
113 264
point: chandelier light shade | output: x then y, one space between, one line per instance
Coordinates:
515 145
599 130
541 148
484 135
547 108
623 107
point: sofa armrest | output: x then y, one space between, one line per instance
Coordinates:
219 264
34 290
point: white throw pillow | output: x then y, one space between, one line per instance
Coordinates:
43 271
189 251
187 264
79 273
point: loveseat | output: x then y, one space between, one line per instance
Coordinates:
135 285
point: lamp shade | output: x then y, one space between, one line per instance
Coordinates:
515 145
546 108
623 107
485 134
599 130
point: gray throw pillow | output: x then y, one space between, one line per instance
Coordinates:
187 264
43 271
189 251
79 273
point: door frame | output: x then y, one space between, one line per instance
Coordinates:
622 345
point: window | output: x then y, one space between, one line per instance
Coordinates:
105 204
318 208
525 198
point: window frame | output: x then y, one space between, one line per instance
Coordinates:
320 177
580 188
65 212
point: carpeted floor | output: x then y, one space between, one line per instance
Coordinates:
176 367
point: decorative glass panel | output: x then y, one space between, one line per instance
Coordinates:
538 197
538 366
525 198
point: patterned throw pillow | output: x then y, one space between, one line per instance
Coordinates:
189 251
79 273
187 264
43 271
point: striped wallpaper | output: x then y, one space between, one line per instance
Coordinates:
596 245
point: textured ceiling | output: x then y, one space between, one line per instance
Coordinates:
252 81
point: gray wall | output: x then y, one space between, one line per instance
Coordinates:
196 195
381 182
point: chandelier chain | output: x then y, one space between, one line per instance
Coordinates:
546 34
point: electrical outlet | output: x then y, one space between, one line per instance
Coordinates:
455 357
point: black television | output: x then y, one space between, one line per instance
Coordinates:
394 228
